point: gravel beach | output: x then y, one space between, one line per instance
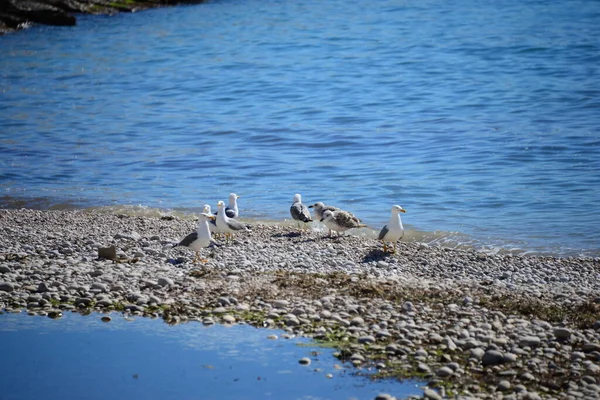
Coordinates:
472 325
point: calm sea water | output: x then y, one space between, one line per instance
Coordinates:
83 358
482 119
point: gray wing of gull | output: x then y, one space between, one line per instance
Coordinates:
384 231
300 212
235 225
188 240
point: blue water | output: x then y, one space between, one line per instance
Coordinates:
83 358
482 119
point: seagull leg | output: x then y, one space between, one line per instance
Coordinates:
394 248
384 246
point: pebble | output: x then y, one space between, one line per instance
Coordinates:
6 287
304 361
444 372
431 394
492 357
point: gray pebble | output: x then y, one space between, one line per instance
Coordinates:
6 287
492 357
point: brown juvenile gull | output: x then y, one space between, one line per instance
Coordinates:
340 221
228 225
393 231
299 211
319 208
199 239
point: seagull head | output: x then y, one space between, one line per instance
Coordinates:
317 206
206 217
327 214
297 198
398 209
220 204
233 197
206 209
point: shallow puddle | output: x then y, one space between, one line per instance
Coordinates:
138 358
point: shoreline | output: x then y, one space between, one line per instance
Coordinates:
16 15
473 325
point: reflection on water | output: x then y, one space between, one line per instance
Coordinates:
79 357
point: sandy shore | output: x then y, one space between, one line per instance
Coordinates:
472 325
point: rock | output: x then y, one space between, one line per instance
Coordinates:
562 333
130 236
228 319
165 281
492 357
281 304
450 345
431 394
100 286
589 347
106 318
366 339
477 352
272 337
4 269
7 287
529 341
304 361
444 372
384 396
504 385
109 253
55 314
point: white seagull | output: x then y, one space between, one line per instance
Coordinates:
393 231
199 239
227 225
299 211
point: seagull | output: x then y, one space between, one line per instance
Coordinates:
212 223
393 231
299 211
228 225
199 239
320 208
340 221
232 210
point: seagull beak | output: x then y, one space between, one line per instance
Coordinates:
237 197
311 206
403 210
321 220
212 218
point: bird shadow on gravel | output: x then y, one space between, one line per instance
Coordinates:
376 254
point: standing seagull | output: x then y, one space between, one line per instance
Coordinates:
199 239
227 225
340 221
232 209
299 211
393 231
